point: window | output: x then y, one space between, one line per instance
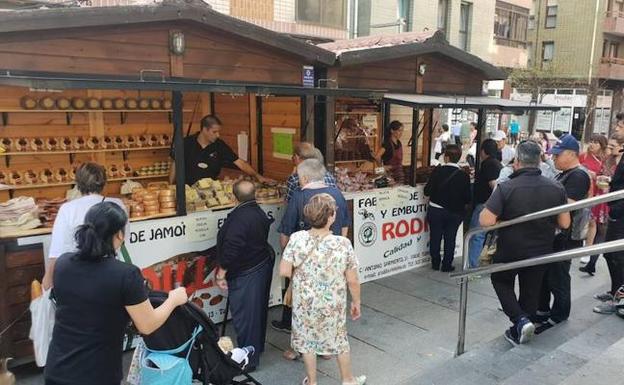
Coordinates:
464 25
531 24
548 51
510 24
330 13
551 14
443 10
529 54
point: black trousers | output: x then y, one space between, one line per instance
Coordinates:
557 283
615 261
601 233
530 280
249 305
286 310
443 224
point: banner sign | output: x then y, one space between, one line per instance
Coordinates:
390 231
181 251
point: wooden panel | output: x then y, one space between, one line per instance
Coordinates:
24 258
446 76
234 114
24 275
279 112
399 75
18 294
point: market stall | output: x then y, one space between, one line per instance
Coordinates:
119 86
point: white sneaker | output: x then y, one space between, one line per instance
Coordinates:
359 380
585 260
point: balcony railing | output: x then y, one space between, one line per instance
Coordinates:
611 60
613 23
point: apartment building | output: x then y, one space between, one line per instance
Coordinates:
579 41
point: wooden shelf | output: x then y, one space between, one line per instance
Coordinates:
352 161
357 113
155 216
88 110
69 183
61 152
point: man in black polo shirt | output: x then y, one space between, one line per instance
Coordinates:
205 154
576 182
484 184
511 199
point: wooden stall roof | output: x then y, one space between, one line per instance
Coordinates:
371 49
193 11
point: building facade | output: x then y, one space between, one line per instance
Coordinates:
577 41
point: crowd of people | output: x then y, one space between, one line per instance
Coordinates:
96 295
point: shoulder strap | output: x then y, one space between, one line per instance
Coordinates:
182 347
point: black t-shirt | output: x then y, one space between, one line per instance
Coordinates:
489 171
86 345
390 148
526 192
576 182
205 162
617 183
449 187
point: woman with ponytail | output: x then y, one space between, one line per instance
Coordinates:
390 155
96 296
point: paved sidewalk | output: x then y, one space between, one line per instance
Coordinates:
408 325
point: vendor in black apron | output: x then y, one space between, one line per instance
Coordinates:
391 152
205 155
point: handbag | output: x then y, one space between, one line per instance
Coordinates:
489 249
163 367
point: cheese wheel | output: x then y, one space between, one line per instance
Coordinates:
61 175
151 206
156 104
119 104
28 103
131 103
168 211
65 143
106 142
142 141
150 196
37 144
93 143
63 103
7 143
166 199
47 103
107 104
21 144
30 177
78 143
119 142
51 144
144 104
112 171
15 177
166 104
79 103
130 141
167 205
127 169
150 213
94 104
46 176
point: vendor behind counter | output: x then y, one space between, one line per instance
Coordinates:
205 154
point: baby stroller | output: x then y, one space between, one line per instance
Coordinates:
211 366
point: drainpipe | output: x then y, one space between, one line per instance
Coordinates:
593 47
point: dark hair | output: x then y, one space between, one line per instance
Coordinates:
453 152
90 178
393 126
95 237
244 191
529 153
473 124
445 127
619 116
318 210
489 147
601 140
558 133
209 121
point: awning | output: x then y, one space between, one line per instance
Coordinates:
468 102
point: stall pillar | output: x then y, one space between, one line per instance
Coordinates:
178 139
307 118
481 120
330 131
415 124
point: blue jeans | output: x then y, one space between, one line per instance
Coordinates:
443 225
476 242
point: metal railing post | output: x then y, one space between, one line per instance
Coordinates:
467 272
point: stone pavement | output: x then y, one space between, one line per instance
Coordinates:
408 332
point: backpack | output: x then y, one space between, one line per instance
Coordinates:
581 217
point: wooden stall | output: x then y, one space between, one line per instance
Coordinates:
117 86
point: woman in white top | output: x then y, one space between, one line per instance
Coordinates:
90 181
441 141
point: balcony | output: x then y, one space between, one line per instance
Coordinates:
611 68
613 23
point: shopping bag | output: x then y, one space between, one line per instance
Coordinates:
134 373
489 249
42 315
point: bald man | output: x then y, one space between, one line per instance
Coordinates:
246 265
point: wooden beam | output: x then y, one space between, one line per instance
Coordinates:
419 86
253 131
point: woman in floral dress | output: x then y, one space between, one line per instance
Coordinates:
322 266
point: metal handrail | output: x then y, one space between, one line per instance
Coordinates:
466 271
